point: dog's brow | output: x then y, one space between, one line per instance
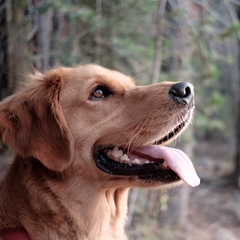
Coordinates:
113 84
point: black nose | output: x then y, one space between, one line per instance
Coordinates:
182 92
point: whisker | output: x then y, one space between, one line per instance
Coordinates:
135 134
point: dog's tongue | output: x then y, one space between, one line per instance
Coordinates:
177 160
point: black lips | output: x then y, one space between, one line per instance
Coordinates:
151 171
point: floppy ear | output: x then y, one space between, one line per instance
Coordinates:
32 122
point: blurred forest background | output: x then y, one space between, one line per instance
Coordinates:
153 41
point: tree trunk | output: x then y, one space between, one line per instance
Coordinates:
54 40
179 205
45 29
133 196
10 46
185 193
42 37
159 39
3 49
98 32
237 160
16 45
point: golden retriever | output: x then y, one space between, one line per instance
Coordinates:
83 137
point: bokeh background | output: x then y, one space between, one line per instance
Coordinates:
153 41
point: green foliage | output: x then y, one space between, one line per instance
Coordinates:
203 124
231 31
212 113
127 44
123 42
127 31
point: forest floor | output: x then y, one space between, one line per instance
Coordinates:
213 214
213 210
215 204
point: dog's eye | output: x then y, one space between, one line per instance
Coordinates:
99 93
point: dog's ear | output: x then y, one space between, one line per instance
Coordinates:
32 122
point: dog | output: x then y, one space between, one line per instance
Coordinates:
83 137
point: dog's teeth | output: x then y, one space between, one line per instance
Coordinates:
136 161
164 164
116 153
109 152
125 158
146 162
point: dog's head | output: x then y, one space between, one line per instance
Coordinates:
98 122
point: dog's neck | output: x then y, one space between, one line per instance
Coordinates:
65 209
103 212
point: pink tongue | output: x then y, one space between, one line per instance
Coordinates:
177 160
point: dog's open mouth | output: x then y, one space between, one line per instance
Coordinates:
151 162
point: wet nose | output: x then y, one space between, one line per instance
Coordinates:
183 93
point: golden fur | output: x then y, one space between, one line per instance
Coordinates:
54 189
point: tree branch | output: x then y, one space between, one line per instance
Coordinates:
233 15
213 13
159 39
98 10
235 2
